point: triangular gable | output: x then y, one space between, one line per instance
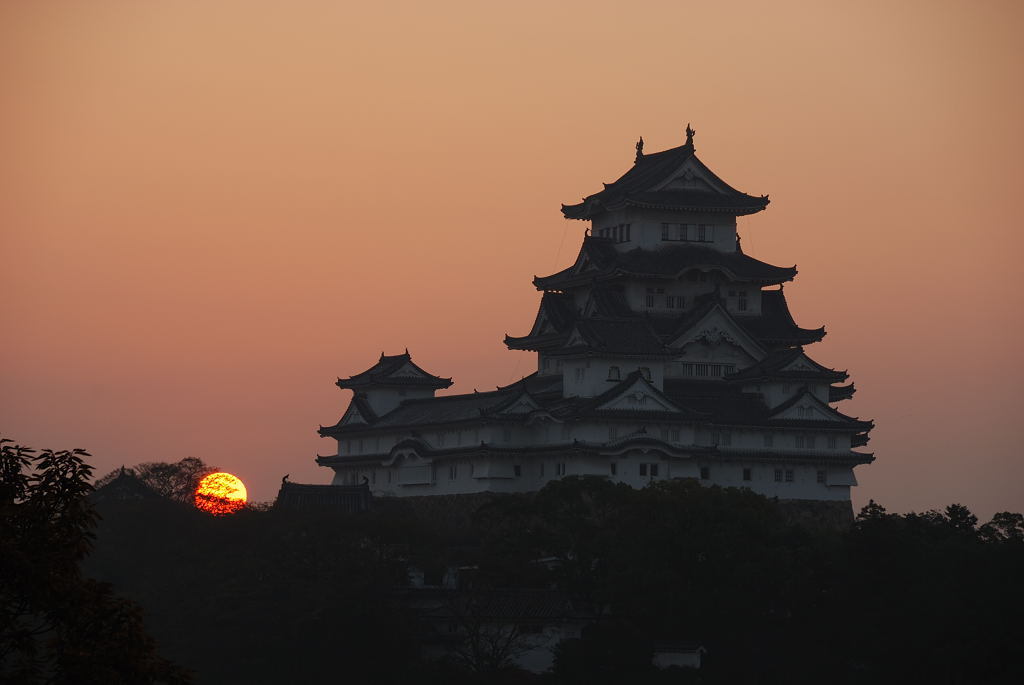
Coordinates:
807 407
803 363
691 175
575 338
718 326
407 370
523 404
353 416
583 262
638 395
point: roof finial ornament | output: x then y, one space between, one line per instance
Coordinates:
689 135
640 149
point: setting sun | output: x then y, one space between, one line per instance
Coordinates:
220 493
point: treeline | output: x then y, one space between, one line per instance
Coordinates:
269 596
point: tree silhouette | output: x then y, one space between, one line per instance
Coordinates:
56 626
176 481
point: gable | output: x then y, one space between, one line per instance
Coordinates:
524 404
805 410
691 175
718 327
575 338
807 407
352 416
407 370
801 363
638 396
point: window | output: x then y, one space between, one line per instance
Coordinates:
705 233
769 439
643 469
789 475
578 374
645 372
613 432
741 303
614 468
453 472
707 370
821 476
472 468
517 470
746 474
832 441
778 475
675 301
800 441
649 301
560 469
671 231
389 475
674 433
654 470
705 473
613 373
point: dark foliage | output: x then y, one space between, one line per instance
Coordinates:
176 481
274 596
56 626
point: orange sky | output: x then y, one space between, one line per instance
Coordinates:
209 210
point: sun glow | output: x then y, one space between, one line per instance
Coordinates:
220 493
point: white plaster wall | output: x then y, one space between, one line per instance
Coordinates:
645 227
384 400
594 379
497 474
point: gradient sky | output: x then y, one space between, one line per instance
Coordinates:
210 210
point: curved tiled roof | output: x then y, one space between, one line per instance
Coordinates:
637 188
382 373
666 261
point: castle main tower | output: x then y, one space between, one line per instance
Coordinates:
663 351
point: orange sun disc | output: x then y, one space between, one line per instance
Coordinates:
220 493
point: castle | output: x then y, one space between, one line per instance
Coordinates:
663 351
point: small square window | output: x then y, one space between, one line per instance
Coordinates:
643 469
746 474
778 475
654 470
821 476
789 475
832 441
